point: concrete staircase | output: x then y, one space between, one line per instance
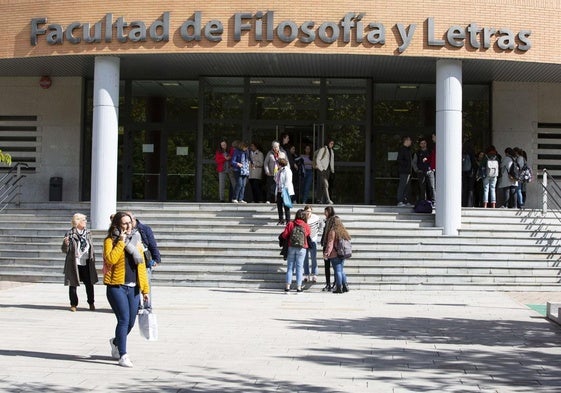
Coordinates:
231 245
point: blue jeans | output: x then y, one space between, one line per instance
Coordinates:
519 199
311 252
339 271
239 191
489 189
124 301
295 257
307 186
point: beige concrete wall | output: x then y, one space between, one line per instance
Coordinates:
59 111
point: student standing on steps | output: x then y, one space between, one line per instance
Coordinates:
335 231
297 246
316 225
329 213
283 180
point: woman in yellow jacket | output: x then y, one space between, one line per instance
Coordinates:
125 277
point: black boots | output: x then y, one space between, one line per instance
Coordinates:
341 289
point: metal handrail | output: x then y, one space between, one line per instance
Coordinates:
10 185
551 195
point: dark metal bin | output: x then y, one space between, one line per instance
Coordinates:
55 189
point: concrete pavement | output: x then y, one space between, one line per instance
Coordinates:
242 340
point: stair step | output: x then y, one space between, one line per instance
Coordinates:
227 245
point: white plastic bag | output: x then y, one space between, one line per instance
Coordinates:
148 324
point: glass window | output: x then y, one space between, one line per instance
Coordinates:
346 99
349 142
410 109
284 98
223 98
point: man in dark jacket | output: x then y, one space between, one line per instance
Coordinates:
151 254
404 165
425 173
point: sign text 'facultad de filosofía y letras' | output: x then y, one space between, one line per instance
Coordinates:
352 28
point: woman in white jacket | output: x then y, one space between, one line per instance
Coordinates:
283 179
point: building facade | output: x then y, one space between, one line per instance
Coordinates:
128 101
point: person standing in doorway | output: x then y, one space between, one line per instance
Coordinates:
308 167
222 157
506 181
79 264
490 172
325 164
271 167
240 167
256 160
521 161
424 172
404 165
468 174
431 175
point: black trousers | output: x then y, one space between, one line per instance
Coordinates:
327 267
84 276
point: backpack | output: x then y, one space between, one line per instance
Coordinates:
514 170
525 174
466 163
344 248
297 236
492 166
423 206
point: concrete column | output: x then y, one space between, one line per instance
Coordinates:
449 146
105 141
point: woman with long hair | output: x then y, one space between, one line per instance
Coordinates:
335 232
329 213
125 278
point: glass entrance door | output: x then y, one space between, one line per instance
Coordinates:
159 165
305 138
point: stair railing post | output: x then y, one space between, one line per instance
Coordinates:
544 192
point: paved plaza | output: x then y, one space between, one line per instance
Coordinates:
244 340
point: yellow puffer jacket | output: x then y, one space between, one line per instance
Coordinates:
114 259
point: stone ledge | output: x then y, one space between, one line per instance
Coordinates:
553 312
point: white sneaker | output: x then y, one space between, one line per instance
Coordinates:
234 201
114 349
242 201
400 204
124 361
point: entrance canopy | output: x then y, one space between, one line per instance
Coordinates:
189 65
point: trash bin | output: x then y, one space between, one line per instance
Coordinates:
55 189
